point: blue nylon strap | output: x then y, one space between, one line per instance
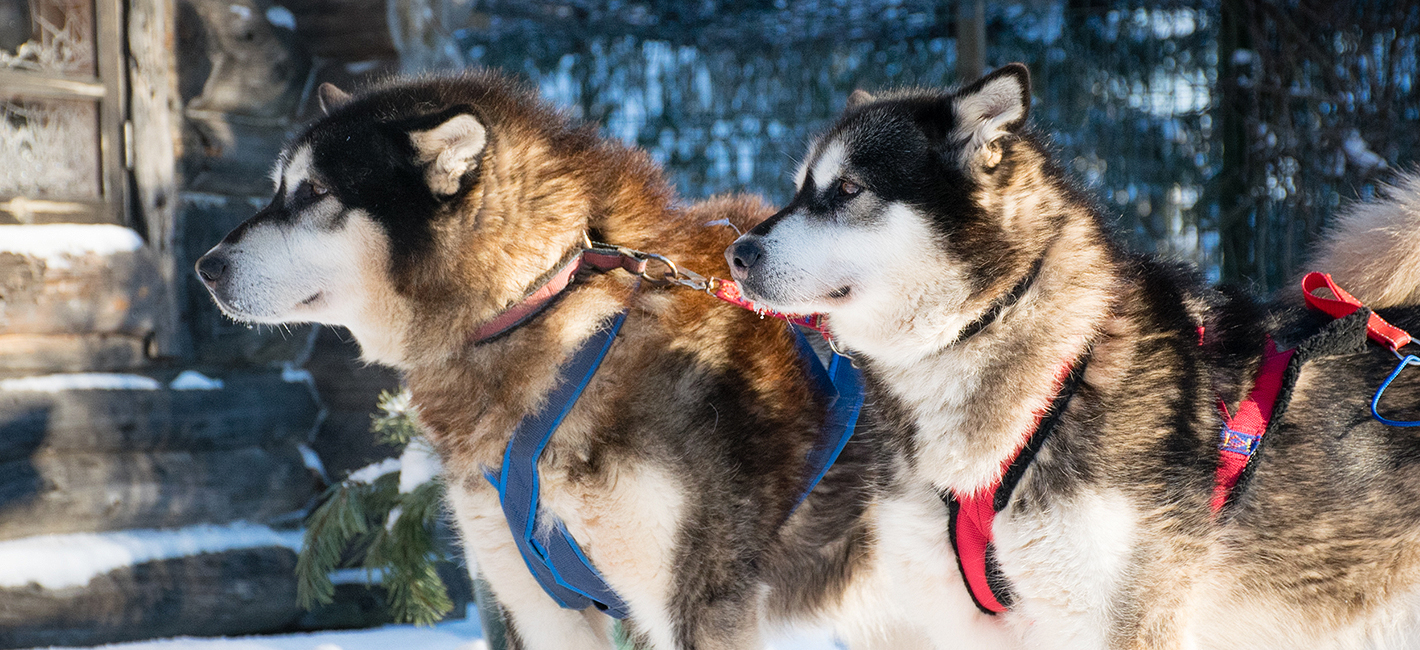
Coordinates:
842 386
552 555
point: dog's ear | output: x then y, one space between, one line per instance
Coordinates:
995 106
451 150
859 98
331 98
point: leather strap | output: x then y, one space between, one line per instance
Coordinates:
601 260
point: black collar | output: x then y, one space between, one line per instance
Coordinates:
1000 304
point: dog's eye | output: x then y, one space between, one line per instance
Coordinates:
310 190
848 188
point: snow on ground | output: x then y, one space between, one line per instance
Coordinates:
194 380
57 244
60 561
79 381
452 635
466 634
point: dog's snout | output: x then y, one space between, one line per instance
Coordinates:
744 254
211 267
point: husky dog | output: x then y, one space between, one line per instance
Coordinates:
1020 349
417 212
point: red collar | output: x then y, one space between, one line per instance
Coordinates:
972 514
598 258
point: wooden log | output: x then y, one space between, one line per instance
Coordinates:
250 410
52 492
71 352
343 30
92 293
237 592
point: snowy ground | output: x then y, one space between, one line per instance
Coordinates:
453 635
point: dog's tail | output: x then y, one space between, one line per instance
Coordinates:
1373 250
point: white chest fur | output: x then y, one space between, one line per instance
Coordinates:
1066 564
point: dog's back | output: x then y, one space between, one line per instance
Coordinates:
1373 249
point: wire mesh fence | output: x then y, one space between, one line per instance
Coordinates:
1221 131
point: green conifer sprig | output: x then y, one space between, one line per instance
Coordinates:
375 527
395 424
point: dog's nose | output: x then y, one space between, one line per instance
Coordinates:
744 254
211 267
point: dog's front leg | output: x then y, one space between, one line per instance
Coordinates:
536 622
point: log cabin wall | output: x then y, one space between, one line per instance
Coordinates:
130 409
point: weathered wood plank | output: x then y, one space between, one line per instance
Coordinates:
237 592
156 115
53 492
251 409
87 294
70 352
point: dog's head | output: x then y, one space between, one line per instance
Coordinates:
401 205
905 192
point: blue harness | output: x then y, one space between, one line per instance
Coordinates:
552 555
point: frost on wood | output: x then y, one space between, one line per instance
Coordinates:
61 38
50 148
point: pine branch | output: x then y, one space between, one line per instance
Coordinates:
396 424
379 529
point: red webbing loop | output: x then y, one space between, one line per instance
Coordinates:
1345 304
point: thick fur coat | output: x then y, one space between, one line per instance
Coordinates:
965 269
419 210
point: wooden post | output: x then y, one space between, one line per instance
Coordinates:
156 132
971 40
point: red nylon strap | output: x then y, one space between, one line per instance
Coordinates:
1344 304
1244 430
975 515
976 512
728 291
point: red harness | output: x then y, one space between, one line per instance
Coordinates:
973 514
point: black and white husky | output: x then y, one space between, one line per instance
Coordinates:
1023 350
